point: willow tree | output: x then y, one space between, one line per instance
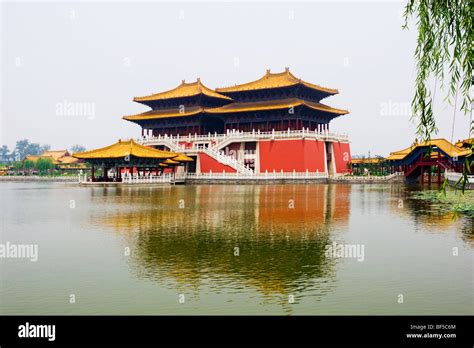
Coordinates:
444 54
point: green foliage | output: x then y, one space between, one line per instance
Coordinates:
445 36
44 165
449 200
18 165
28 165
4 154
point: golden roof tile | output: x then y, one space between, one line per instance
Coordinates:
273 105
374 160
275 80
442 144
56 154
123 149
165 113
182 91
182 158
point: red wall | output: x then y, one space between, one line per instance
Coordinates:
342 155
235 147
291 154
208 163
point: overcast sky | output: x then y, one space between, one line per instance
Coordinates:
98 56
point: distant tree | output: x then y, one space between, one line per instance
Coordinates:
77 148
5 155
18 166
44 165
45 147
21 148
34 149
28 165
24 148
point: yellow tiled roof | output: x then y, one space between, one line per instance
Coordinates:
68 160
367 160
183 90
235 107
182 158
123 149
443 144
273 105
465 142
275 80
164 113
170 161
56 154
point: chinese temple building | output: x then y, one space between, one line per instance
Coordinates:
274 124
130 158
436 155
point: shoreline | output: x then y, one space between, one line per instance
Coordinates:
31 178
210 181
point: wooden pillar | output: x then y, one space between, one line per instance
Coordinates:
439 175
422 177
93 173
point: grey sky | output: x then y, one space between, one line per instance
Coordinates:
104 54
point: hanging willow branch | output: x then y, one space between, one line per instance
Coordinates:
445 42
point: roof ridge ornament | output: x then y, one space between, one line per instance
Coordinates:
183 81
268 72
287 69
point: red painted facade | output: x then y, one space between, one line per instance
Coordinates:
208 164
342 156
288 155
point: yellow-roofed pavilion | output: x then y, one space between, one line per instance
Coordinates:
131 157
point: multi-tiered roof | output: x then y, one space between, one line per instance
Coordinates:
259 99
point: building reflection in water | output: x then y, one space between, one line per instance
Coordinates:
186 237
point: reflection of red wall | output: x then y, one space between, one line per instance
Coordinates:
208 163
342 155
291 154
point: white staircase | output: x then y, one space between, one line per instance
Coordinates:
228 160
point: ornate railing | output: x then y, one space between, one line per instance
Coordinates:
218 141
150 179
258 176
365 177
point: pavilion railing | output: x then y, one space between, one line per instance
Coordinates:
170 178
345 177
257 176
133 179
217 141
147 179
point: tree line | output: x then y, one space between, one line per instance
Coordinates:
25 148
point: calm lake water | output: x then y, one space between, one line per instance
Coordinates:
233 250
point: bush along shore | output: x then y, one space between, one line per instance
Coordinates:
450 201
